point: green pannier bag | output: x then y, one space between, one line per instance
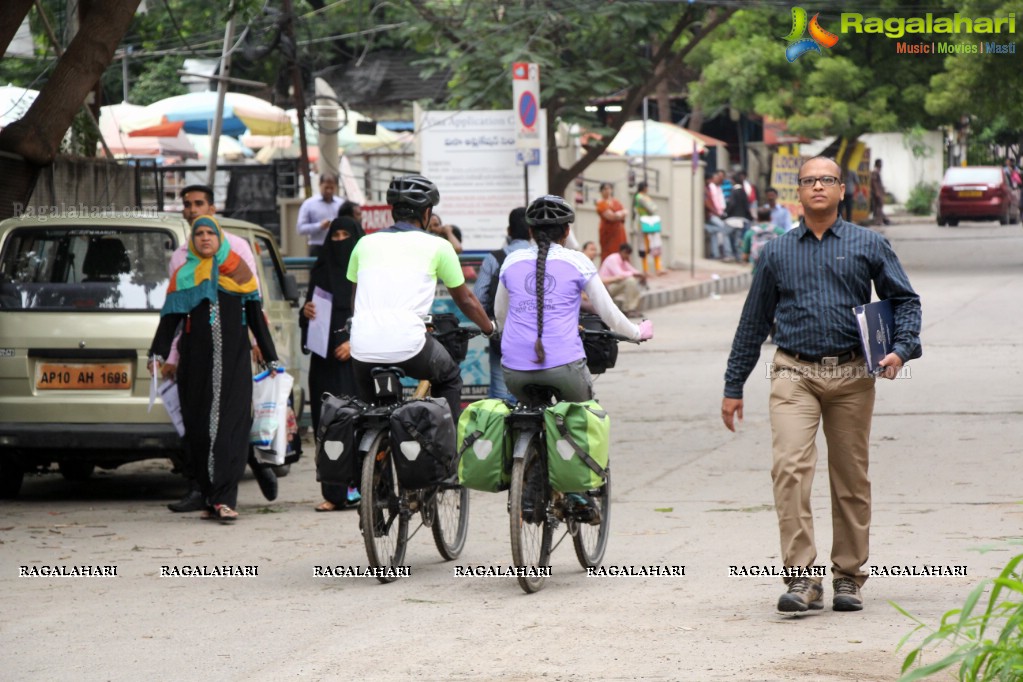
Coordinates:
578 443
484 446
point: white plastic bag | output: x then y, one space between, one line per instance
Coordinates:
269 433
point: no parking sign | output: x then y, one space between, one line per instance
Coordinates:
526 97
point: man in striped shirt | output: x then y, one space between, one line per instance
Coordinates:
806 283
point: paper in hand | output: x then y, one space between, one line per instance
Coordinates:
154 383
318 338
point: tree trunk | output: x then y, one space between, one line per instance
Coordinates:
36 137
12 13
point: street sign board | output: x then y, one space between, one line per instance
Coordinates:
526 103
527 157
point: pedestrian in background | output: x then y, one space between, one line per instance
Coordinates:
317 212
612 221
198 201
645 209
807 281
485 290
714 219
215 298
332 374
622 279
877 196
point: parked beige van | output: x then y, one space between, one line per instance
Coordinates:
80 300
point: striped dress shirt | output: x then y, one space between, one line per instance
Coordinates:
807 287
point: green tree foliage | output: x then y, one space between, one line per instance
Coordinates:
982 86
586 50
157 81
861 84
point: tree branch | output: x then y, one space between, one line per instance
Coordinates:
12 13
37 135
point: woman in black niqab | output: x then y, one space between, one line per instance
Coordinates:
334 373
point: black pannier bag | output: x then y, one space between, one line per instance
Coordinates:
337 440
423 443
447 330
601 351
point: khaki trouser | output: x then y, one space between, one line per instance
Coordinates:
802 395
629 287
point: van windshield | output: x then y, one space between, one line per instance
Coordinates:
85 268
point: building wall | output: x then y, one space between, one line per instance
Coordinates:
675 187
900 170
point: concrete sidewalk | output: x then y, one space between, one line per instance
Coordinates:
707 278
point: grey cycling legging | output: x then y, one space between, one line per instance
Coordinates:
572 381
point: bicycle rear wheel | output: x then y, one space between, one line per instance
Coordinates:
450 520
590 541
384 527
529 522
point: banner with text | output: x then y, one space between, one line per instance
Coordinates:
471 156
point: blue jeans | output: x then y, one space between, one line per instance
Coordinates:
719 237
498 389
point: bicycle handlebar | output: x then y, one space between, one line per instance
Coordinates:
607 333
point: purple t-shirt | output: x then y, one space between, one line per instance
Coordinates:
567 273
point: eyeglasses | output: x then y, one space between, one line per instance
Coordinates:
811 180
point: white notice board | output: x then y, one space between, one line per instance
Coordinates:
470 155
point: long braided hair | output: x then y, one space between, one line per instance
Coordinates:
548 218
544 236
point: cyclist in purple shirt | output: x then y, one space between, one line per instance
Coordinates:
537 307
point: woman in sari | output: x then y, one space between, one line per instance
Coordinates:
332 374
215 300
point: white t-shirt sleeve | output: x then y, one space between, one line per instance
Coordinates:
608 311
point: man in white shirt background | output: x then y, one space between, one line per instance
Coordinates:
317 212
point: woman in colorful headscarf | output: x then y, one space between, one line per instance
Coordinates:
215 300
333 374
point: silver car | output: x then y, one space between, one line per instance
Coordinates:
80 300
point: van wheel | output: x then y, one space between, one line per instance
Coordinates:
953 221
941 221
76 471
11 476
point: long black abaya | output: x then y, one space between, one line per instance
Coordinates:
215 388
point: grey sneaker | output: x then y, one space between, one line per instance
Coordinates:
802 594
847 595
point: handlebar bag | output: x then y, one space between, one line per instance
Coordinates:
484 446
578 444
601 352
337 457
423 442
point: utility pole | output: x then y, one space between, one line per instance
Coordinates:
299 96
218 117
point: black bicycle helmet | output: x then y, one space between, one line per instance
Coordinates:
412 190
549 210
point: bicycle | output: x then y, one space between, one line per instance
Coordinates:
535 509
386 508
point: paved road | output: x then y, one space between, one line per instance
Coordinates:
946 451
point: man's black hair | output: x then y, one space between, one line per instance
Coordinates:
347 209
205 189
517 227
625 246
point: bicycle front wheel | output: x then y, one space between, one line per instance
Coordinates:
384 527
450 520
530 528
591 540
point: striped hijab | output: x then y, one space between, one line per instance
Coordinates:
199 278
